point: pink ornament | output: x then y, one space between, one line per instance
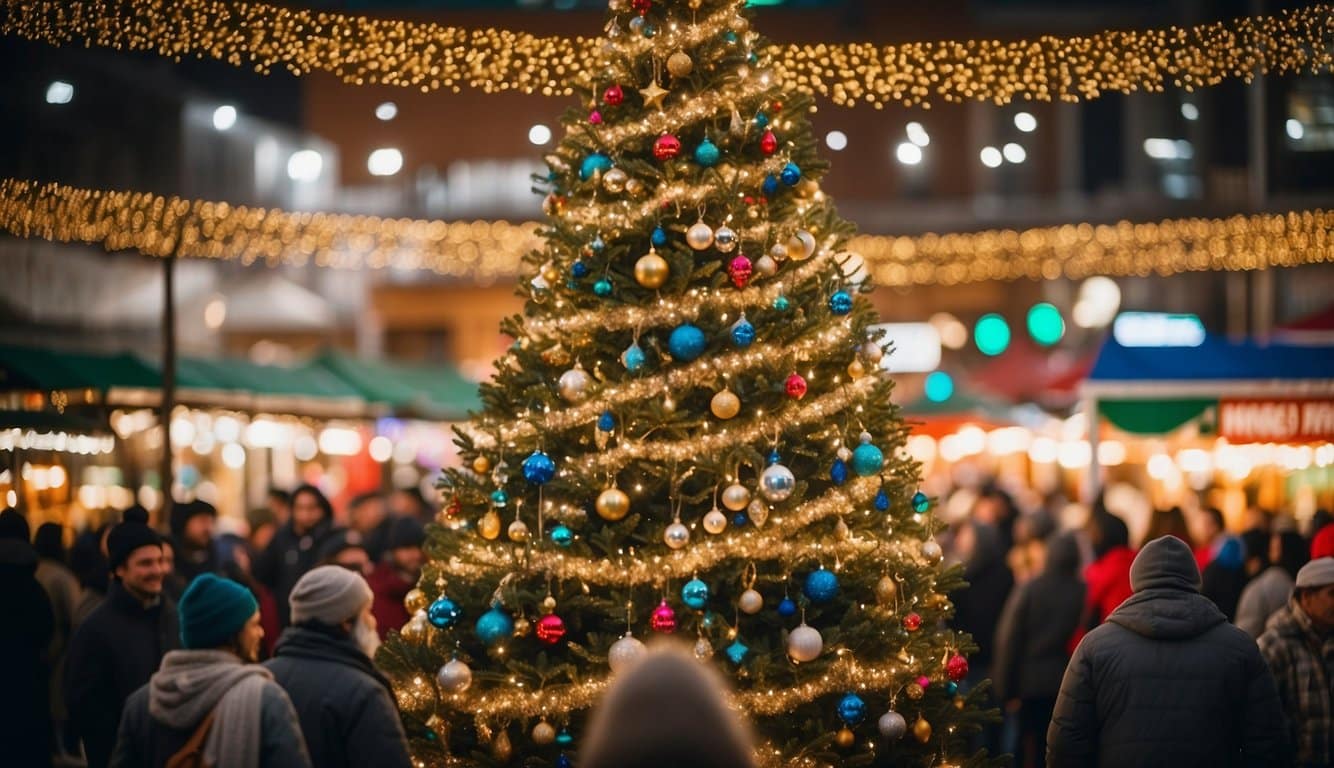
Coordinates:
912 622
924 681
740 270
664 619
796 386
595 117
614 95
550 629
957 667
666 147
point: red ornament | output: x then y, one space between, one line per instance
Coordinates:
924 681
664 619
455 507
641 6
595 117
740 270
550 629
778 106
796 386
614 95
912 622
956 668
666 147
769 143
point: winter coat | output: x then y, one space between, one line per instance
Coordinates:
1303 667
389 588
114 652
1108 583
1262 597
1035 628
62 588
1225 577
977 609
25 634
345 706
192 561
1166 682
288 557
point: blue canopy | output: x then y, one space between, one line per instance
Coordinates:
1217 359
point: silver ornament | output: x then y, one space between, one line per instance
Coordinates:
539 283
724 239
625 652
574 384
844 453
715 521
703 649
777 482
765 266
758 512
778 251
676 535
872 352
454 677
931 550
736 496
804 643
699 236
892 725
751 602
518 531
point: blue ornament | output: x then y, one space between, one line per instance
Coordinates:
564 761
602 287
606 422
867 459
851 709
781 303
443 612
499 497
598 244
562 536
951 687
770 185
538 468
686 343
840 303
920 503
564 738
695 594
761 120
743 333
787 608
791 174
579 270
839 472
740 519
821 585
707 154
736 652
633 357
494 625
593 164
659 237
774 458
881 501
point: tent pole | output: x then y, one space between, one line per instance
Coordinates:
1093 481
168 379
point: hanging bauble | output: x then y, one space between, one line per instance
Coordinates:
761 120
782 303
415 629
736 651
840 303
881 501
892 725
499 498
725 404
769 186
625 652
606 421
579 270
686 343
951 687
574 383
679 64
695 594
920 502
415 600
921 730
668 404
856 370
518 531
758 512
821 585
931 550
801 245
614 95
598 245
845 738
550 629
768 143
676 536
443 613
743 333
736 496
659 237
777 483
699 236
778 251
612 504
489 525
866 458
795 386
663 619
541 283
804 643
838 472
548 604
957 667
703 649
614 180
751 602
740 269
553 204
564 738
501 748
841 530
707 154
602 287
790 175
873 352
912 622
495 625
715 521
454 676
765 266
543 733
562 536
641 7
725 239
787 607
633 358
634 187
481 465
538 468
851 709
595 118
651 270
593 165
666 147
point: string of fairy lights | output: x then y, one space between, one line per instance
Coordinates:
161 227
362 50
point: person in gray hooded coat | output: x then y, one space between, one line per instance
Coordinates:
1166 681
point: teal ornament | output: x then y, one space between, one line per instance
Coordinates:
499 497
866 458
851 709
951 687
562 536
839 472
564 761
736 652
443 613
881 501
593 164
787 607
494 625
695 594
840 303
730 36
564 738
598 244
633 357
538 468
753 58
659 237
707 621
770 185
602 287
606 422
707 153
781 303
686 343
743 333
579 270
761 120
791 174
920 503
821 585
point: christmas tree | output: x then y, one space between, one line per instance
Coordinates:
690 435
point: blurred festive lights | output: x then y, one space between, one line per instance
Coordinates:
1045 324
939 386
991 334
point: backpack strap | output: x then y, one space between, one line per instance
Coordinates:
191 755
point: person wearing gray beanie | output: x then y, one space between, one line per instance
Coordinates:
324 662
1298 644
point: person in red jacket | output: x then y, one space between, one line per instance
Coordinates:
1107 578
393 578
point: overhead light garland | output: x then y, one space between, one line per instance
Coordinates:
488 251
362 50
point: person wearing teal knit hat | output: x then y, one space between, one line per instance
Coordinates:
214 611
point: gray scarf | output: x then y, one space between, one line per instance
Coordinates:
190 684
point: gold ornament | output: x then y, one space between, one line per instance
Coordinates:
680 64
550 273
614 180
845 737
841 531
725 404
922 729
801 245
653 95
518 531
481 465
651 270
959 702
522 627
886 589
557 355
415 600
548 605
856 370
695 4
501 748
715 521
736 496
634 187
415 630
489 525
699 236
543 733
668 404
613 504
914 691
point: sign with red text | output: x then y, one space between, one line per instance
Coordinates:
1276 420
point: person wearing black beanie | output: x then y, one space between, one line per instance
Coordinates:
397 574
120 645
192 538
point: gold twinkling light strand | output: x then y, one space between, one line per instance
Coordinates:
362 50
